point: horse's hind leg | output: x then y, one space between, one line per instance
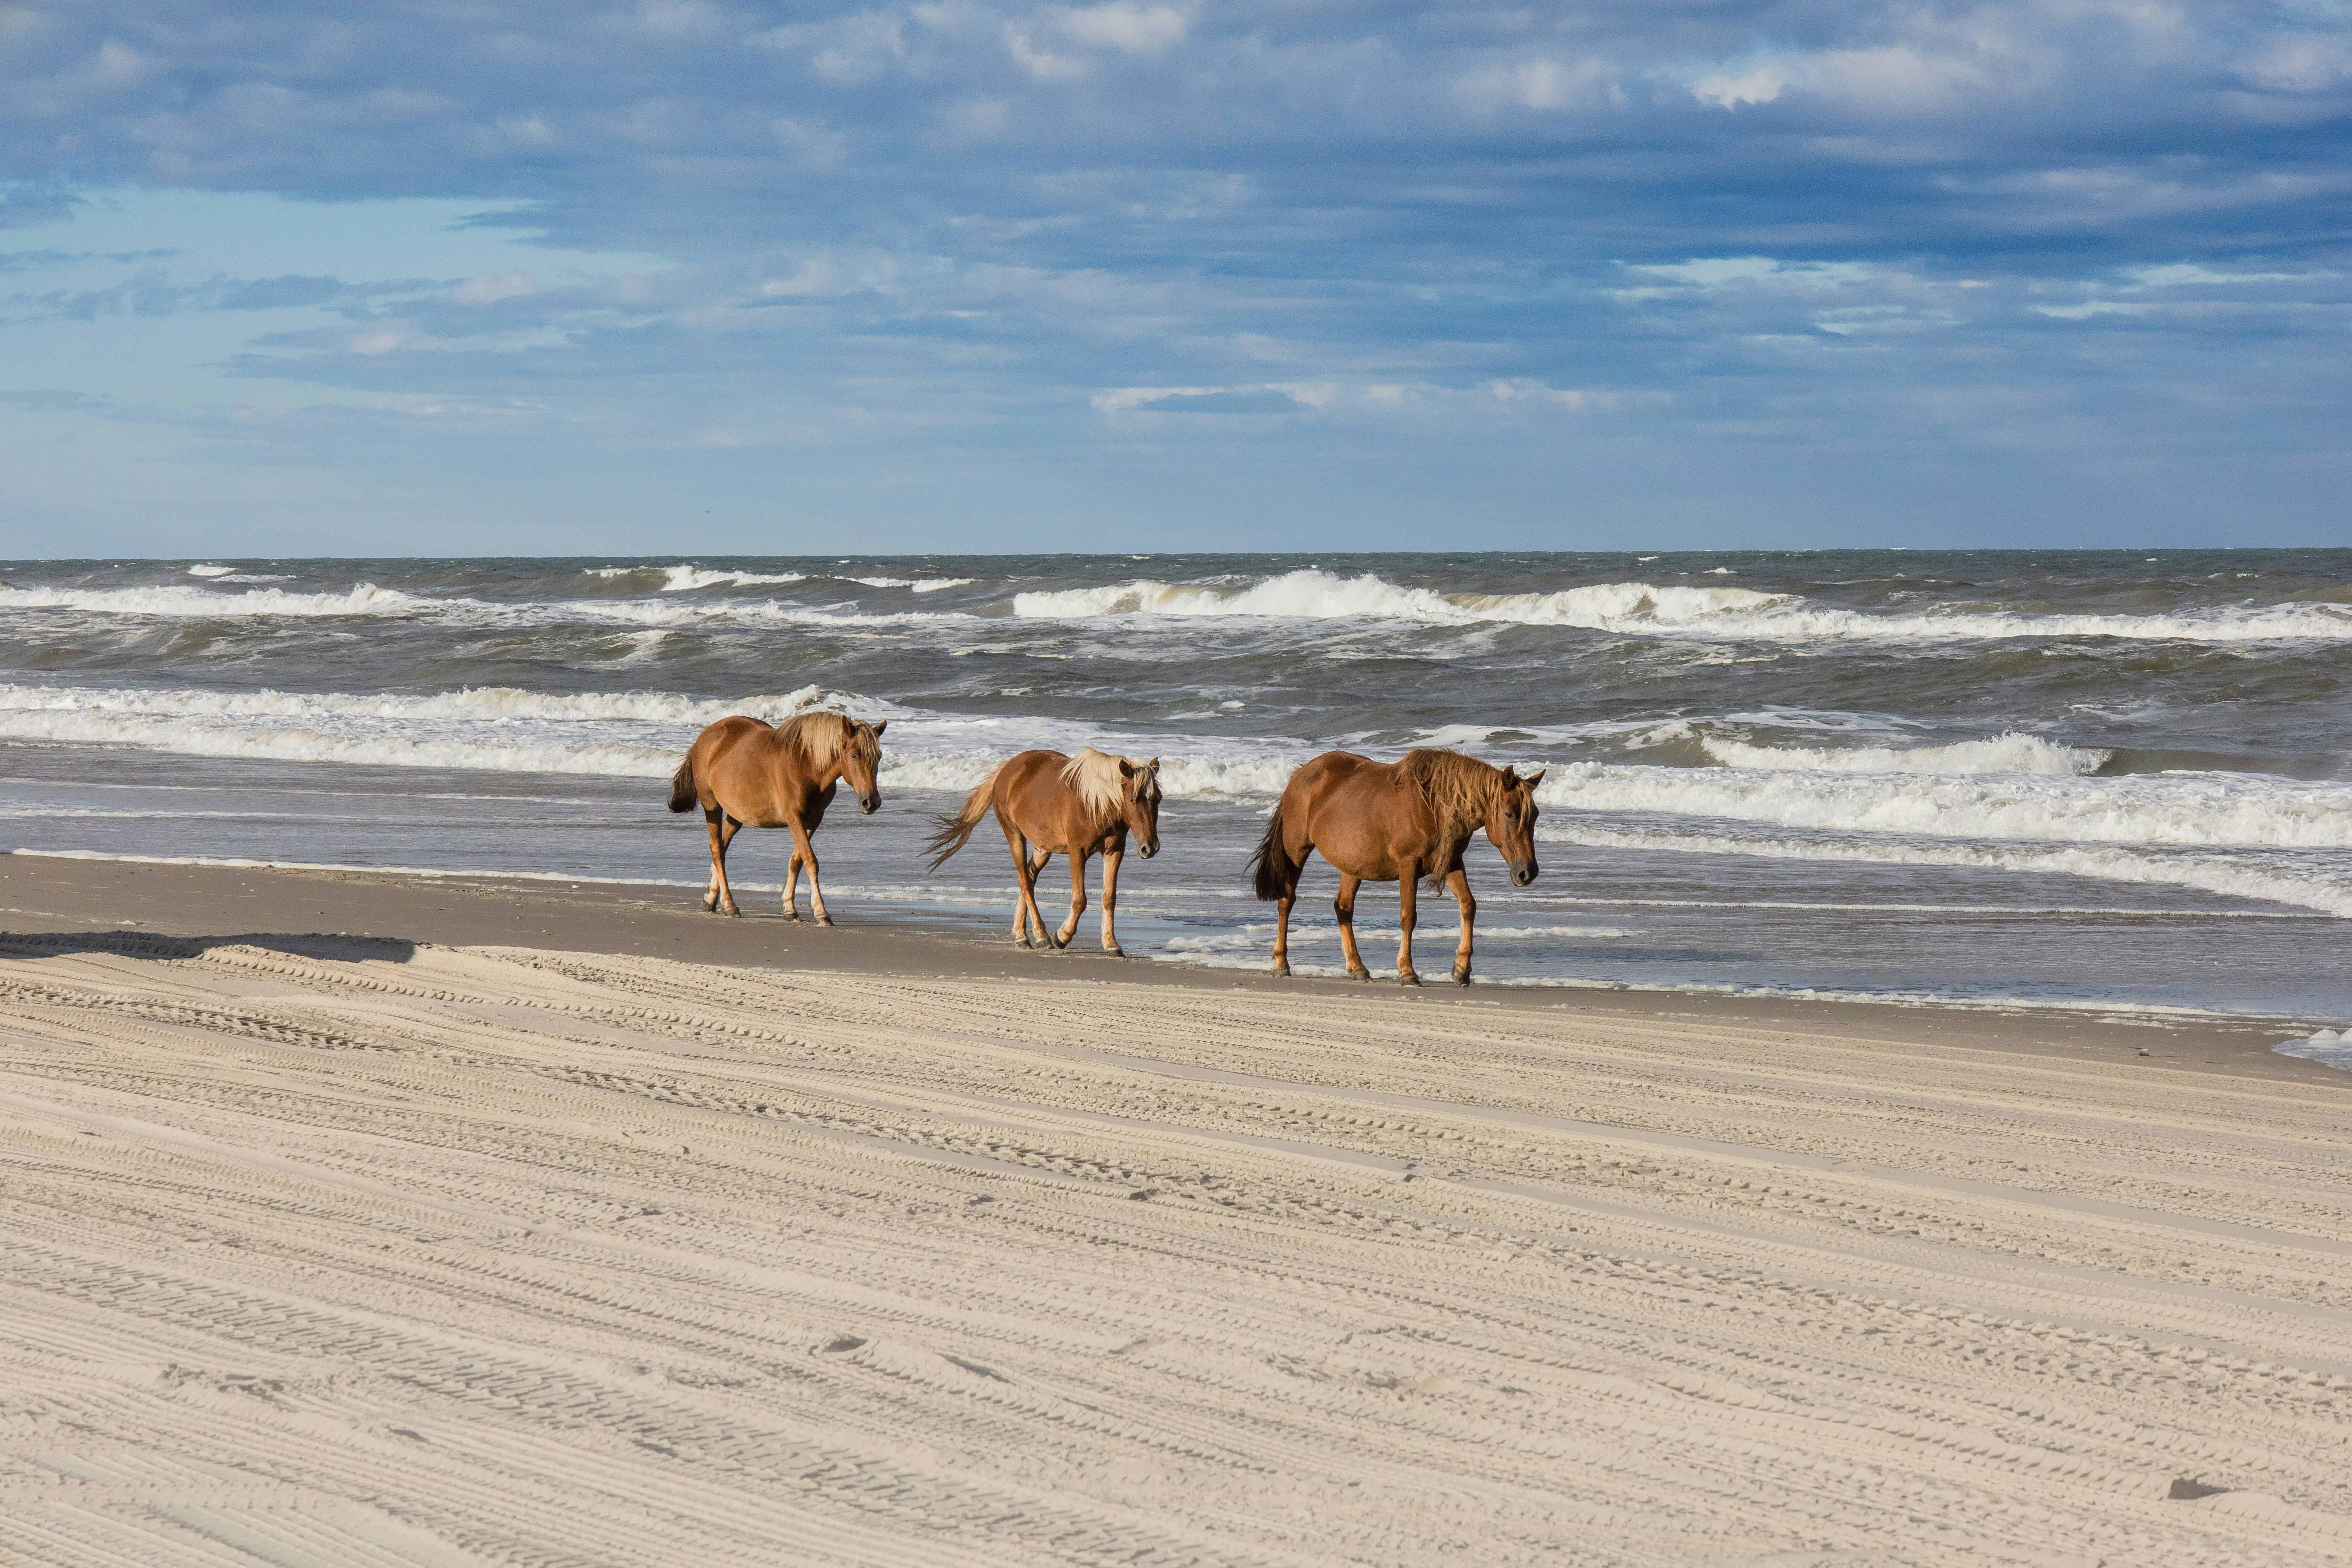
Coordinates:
719 895
1344 908
1408 898
1282 916
1023 875
1461 880
1078 859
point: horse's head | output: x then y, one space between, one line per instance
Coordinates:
1511 824
1139 803
861 759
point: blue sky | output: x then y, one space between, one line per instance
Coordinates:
677 275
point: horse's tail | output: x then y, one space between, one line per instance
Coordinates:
955 827
683 795
1275 873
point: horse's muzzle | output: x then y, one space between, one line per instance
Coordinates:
1522 875
869 804
1146 850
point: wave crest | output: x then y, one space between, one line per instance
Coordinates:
2009 753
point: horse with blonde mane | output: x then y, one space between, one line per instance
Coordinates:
1394 822
1051 805
744 772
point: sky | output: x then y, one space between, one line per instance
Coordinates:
478 278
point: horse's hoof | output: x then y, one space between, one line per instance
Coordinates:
1407 977
730 911
1282 972
1461 977
791 914
1115 951
709 902
824 920
1360 974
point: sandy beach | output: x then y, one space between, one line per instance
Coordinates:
358 1219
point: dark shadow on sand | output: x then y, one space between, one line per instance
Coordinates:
154 945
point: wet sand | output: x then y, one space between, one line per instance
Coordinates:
367 1219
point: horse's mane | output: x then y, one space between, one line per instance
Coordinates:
1456 787
1094 776
819 738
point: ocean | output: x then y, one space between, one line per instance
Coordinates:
2113 780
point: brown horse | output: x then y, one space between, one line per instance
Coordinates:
742 772
1394 822
1051 805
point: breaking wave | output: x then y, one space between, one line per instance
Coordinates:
2183 809
182 600
1654 609
2209 874
2011 753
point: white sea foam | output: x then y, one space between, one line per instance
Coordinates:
1645 608
690 612
486 729
2206 873
2009 753
1438 920
2328 1048
206 569
182 601
683 579
2191 809
917 584
633 734
481 704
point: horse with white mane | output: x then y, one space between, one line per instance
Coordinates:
1049 804
742 771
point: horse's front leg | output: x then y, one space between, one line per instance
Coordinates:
1078 859
805 849
1344 908
792 887
1112 854
1408 898
719 895
1460 878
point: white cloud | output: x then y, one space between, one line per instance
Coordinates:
1043 65
1761 85
489 288
1119 399
1136 29
2300 62
2092 307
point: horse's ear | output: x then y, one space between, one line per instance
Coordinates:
1125 769
1510 777
1533 778
1152 766
880 727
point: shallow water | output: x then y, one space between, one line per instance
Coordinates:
2102 778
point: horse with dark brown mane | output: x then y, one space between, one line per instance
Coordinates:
744 772
1051 805
1394 822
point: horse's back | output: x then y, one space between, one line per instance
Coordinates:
1364 816
726 735
1339 780
736 763
1032 796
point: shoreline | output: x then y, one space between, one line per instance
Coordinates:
50 895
